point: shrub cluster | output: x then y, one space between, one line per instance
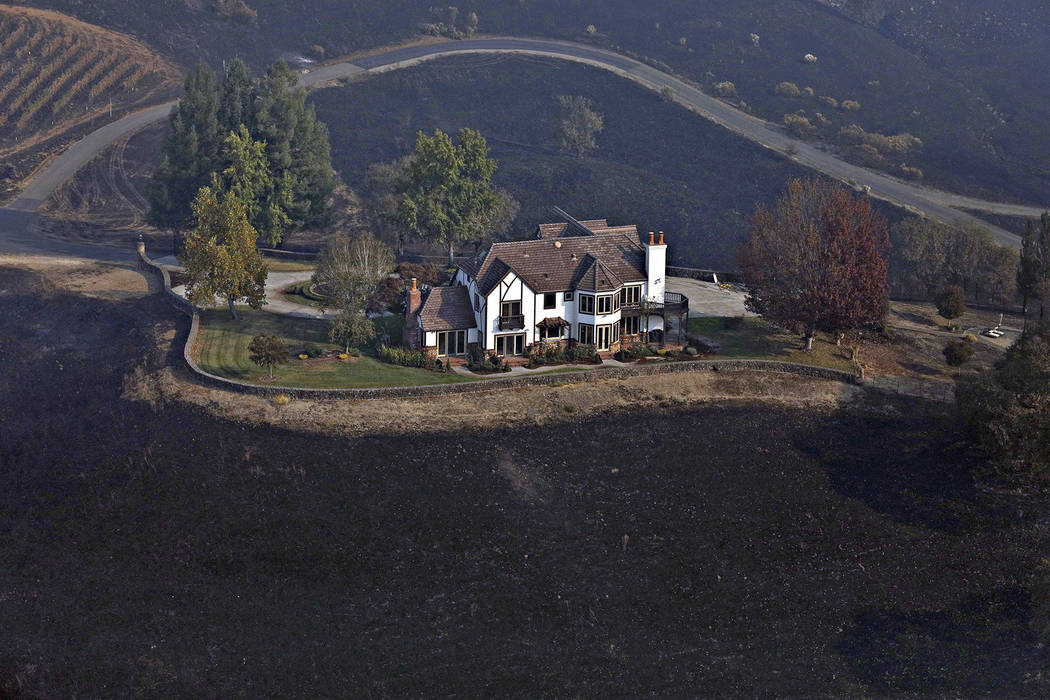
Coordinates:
725 89
635 351
957 352
488 362
236 10
799 125
547 354
405 357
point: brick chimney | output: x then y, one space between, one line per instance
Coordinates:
413 302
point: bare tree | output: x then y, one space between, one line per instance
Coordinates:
349 271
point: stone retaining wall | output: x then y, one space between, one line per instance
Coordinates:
483 385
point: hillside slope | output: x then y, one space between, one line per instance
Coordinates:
961 77
58 73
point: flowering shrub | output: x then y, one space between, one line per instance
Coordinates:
303 356
282 399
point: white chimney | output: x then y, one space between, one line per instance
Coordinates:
655 268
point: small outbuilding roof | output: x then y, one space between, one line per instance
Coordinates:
447 309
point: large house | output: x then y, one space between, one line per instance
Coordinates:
577 281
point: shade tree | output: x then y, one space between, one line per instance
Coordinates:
220 257
815 261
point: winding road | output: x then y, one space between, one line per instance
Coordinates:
17 219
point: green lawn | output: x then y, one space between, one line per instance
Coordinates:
294 292
281 265
223 351
754 338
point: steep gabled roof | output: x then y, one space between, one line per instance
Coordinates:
447 309
597 277
560 264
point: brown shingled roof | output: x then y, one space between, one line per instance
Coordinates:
597 277
546 267
447 309
598 226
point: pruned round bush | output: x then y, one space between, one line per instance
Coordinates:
691 351
957 352
799 126
725 89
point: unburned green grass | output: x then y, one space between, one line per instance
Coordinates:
223 350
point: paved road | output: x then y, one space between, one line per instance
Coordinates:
939 205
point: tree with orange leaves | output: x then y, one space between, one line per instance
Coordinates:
816 261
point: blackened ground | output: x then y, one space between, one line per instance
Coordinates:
735 549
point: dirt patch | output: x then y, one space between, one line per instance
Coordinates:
527 405
87 278
110 191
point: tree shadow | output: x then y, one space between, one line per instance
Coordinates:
920 368
912 467
981 646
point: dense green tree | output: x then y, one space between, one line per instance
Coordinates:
191 151
1010 407
816 260
951 302
296 145
273 112
446 195
237 105
351 329
348 271
268 351
220 256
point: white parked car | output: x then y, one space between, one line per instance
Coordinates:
993 333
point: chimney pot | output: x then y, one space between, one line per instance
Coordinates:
413 283
661 238
652 238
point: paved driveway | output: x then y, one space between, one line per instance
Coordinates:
275 282
708 299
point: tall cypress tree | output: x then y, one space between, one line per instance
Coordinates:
273 113
238 98
191 152
296 144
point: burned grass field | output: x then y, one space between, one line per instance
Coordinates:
728 549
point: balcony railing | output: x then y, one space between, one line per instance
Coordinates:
512 323
675 301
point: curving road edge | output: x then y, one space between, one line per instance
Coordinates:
933 203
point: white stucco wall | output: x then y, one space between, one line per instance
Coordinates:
656 268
